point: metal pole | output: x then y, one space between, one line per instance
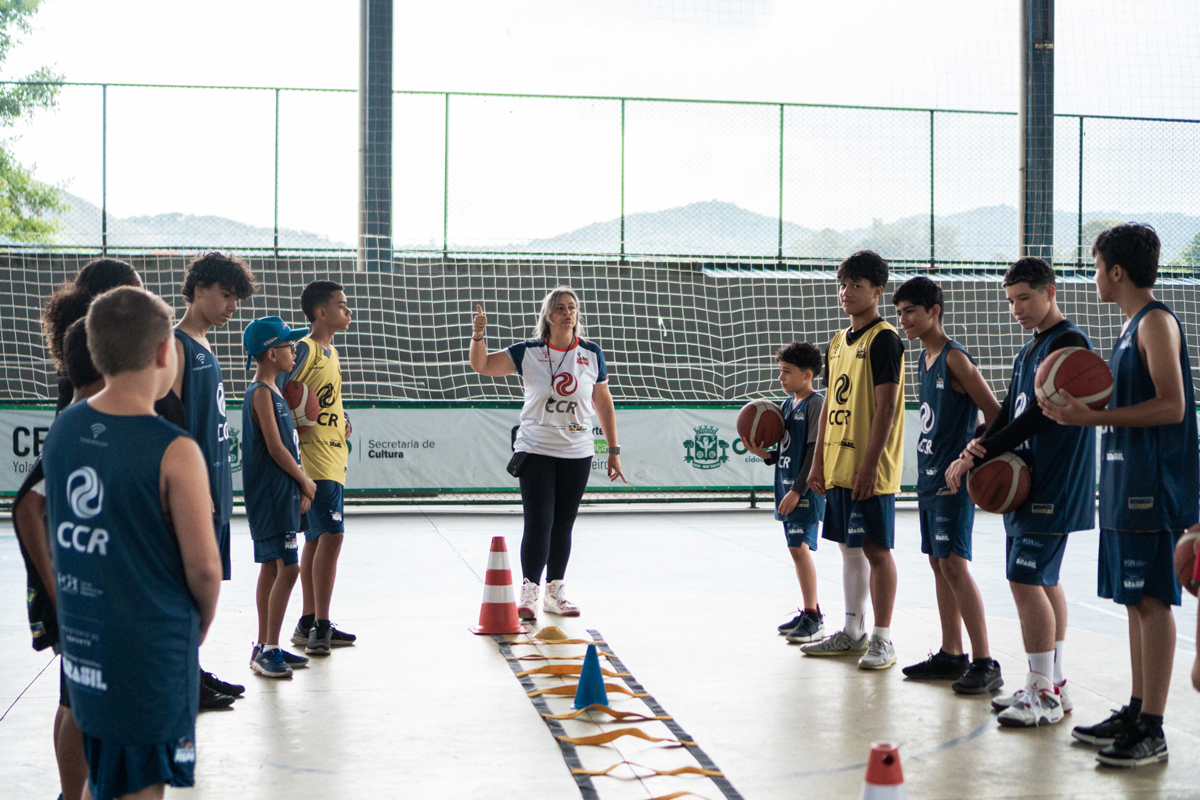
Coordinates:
622 181
1079 249
104 169
932 241
375 136
780 253
277 173
446 176
1035 199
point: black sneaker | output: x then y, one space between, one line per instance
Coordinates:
982 676
234 690
1138 746
786 627
939 666
300 635
340 638
1108 731
210 698
319 638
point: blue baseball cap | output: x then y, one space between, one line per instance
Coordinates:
266 332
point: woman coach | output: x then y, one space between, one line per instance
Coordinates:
566 382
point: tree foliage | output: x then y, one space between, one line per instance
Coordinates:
28 207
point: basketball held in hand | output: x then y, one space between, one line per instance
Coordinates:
1000 484
760 422
303 405
1078 371
1185 560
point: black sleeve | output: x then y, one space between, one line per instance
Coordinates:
887 356
1004 438
1002 417
171 409
815 407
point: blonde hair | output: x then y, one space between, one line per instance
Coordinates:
542 329
125 326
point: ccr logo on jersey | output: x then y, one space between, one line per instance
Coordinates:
85 493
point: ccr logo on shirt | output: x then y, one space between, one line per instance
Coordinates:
85 493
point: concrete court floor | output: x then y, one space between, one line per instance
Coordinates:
688 597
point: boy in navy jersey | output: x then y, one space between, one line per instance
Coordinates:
277 491
952 393
1149 484
212 287
1062 461
796 505
136 563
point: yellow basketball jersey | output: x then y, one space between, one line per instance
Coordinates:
323 448
849 409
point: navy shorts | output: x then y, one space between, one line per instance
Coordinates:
798 533
223 546
1135 564
852 522
115 769
1035 558
282 545
64 698
325 515
946 525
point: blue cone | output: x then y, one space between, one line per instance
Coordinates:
591 690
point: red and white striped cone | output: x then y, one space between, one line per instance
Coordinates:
498 614
885 779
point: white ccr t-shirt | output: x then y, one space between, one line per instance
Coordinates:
556 419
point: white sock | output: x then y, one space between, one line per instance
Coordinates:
882 633
266 648
856 588
1042 663
1059 680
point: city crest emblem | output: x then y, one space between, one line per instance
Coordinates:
235 450
705 450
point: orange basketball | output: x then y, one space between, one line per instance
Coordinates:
1185 560
1000 484
760 422
303 405
1079 371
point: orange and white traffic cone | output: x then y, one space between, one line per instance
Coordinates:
885 779
498 614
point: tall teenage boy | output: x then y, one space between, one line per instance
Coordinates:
858 460
1149 484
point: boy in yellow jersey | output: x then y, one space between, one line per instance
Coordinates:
324 455
858 460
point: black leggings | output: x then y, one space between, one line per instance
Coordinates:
551 489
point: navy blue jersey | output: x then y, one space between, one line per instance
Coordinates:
1061 458
948 421
272 496
128 626
811 507
1149 477
204 402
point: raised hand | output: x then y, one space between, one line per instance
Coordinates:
480 322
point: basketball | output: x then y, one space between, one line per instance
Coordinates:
1001 484
760 421
303 404
1079 371
1185 560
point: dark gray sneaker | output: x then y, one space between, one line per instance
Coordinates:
786 627
340 638
982 676
811 628
319 638
939 666
300 635
1108 731
1140 745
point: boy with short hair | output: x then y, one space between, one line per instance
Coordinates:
1062 461
136 561
859 458
1149 484
952 392
213 286
276 489
323 451
796 505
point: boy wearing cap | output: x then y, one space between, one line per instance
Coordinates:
275 487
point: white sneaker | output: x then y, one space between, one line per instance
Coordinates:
1039 705
880 654
1064 697
527 605
840 644
556 600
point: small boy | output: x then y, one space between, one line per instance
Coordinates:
1062 461
952 393
323 451
858 460
1149 484
136 563
796 505
276 489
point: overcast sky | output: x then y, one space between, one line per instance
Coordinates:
213 152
